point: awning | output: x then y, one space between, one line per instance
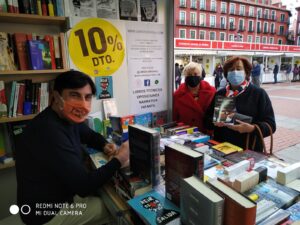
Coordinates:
194 52
268 53
225 53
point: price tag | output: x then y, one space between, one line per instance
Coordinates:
96 47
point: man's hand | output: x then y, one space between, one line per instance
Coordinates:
110 149
242 127
123 154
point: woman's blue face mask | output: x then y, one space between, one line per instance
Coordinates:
236 77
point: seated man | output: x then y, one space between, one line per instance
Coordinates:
54 187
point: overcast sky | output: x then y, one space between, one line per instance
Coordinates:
291 5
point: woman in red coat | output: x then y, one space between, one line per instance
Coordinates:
192 99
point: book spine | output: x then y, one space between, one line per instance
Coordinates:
50 8
60 7
3 6
12 98
21 99
3 101
50 41
155 161
57 54
39 7
44 8
16 100
20 41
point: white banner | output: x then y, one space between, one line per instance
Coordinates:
146 59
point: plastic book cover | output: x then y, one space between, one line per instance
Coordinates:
104 87
247 154
281 195
294 210
159 118
227 148
154 209
224 109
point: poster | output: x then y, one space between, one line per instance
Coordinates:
104 87
83 8
107 9
128 10
149 10
147 78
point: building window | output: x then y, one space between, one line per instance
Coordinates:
282 17
231 23
182 17
257 39
298 42
241 25
273 15
223 7
202 4
202 34
202 20
250 26
212 21
182 3
258 27
272 28
231 37
242 10
212 35
265 27
264 40
222 36
279 41
251 11
249 38
193 4
223 22
182 33
259 13
192 34
281 30
232 8
266 15
271 40
193 19
213 6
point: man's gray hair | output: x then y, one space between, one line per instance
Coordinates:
189 68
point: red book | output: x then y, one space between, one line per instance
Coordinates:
21 46
50 40
21 99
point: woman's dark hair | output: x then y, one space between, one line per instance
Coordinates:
229 63
73 80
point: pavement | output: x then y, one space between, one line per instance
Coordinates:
285 98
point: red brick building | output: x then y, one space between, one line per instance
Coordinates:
244 20
297 34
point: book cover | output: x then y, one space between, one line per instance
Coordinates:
294 210
247 154
35 54
272 191
224 109
104 87
50 40
95 122
199 204
109 108
154 209
180 162
144 145
144 119
159 118
3 100
3 6
21 48
278 217
226 148
237 207
21 99
57 53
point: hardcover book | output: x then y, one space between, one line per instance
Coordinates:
272 191
199 204
224 109
247 154
237 208
226 148
180 162
144 144
144 119
154 209
294 210
159 118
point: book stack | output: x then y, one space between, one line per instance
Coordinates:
289 176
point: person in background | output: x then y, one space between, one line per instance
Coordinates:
288 71
218 74
49 162
296 71
275 72
250 100
192 99
177 75
262 72
203 73
255 74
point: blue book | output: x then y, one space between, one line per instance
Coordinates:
144 119
294 210
155 209
35 49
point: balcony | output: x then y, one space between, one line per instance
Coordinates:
251 30
273 32
213 9
223 26
281 33
223 11
193 7
182 5
258 31
266 16
265 31
232 27
232 13
202 8
241 28
273 17
212 26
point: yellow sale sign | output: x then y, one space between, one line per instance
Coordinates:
96 47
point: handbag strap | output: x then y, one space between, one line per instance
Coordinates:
261 137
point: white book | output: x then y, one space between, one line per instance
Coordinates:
14 114
288 174
109 108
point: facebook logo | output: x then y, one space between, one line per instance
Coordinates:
147 82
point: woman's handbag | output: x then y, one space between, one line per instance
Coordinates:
261 137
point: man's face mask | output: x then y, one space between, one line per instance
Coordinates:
75 110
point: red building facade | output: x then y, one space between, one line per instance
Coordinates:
297 34
244 21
